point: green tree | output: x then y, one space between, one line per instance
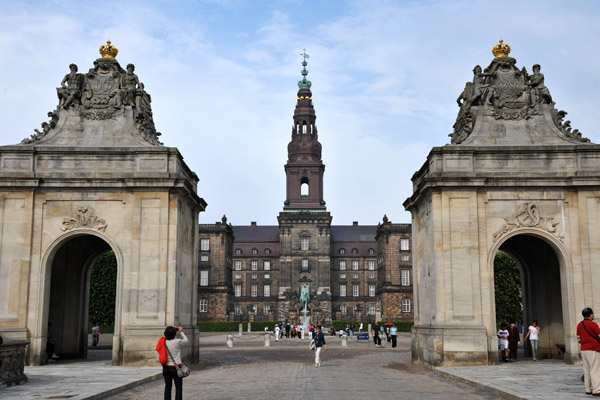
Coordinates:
103 291
507 285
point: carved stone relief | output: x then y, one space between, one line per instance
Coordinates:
527 216
84 218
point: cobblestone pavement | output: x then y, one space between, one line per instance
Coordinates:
286 370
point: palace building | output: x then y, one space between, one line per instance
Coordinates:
354 273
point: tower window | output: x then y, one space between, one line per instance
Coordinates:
304 186
304 127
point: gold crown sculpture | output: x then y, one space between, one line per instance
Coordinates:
501 49
108 50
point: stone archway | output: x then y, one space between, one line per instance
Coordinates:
542 293
68 268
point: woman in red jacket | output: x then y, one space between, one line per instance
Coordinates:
169 361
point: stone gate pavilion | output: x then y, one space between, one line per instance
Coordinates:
516 178
96 178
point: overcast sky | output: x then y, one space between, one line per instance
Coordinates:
223 79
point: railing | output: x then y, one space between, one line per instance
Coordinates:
12 363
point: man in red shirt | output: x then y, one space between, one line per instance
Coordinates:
589 337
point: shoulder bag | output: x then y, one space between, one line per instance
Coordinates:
588 332
183 371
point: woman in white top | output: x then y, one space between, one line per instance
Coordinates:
174 346
534 336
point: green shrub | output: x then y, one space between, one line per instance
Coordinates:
403 326
233 326
103 292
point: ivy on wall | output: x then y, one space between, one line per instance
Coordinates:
103 291
507 283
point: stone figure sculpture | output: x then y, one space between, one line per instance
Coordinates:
69 91
304 297
539 92
504 92
131 86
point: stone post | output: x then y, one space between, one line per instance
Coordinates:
241 329
344 340
230 341
302 334
267 340
249 327
369 330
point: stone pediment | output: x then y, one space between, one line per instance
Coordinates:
505 105
105 107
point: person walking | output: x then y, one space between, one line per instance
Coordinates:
514 339
533 334
320 344
168 362
95 335
503 341
588 333
376 338
394 335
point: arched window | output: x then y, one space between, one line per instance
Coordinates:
238 251
267 251
254 251
311 129
304 187
297 129
371 251
342 251
304 127
355 251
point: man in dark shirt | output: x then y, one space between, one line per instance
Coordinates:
376 338
589 337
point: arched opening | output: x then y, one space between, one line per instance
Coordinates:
303 126
539 283
304 186
70 271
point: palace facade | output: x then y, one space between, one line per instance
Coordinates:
354 273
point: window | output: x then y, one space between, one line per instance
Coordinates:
342 290
267 251
405 277
254 276
305 264
355 292
238 276
371 310
371 251
342 276
405 258
354 251
254 265
343 309
238 251
253 290
267 290
254 251
204 257
204 244
237 309
304 243
371 276
237 266
342 251
404 244
371 290
267 265
238 290
342 265
204 278
266 310
406 305
371 265
203 305
355 265
355 276
267 276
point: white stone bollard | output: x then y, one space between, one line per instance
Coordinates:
230 341
369 331
344 340
241 329
249 327
267 340
302 336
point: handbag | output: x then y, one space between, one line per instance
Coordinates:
312 345
183 370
